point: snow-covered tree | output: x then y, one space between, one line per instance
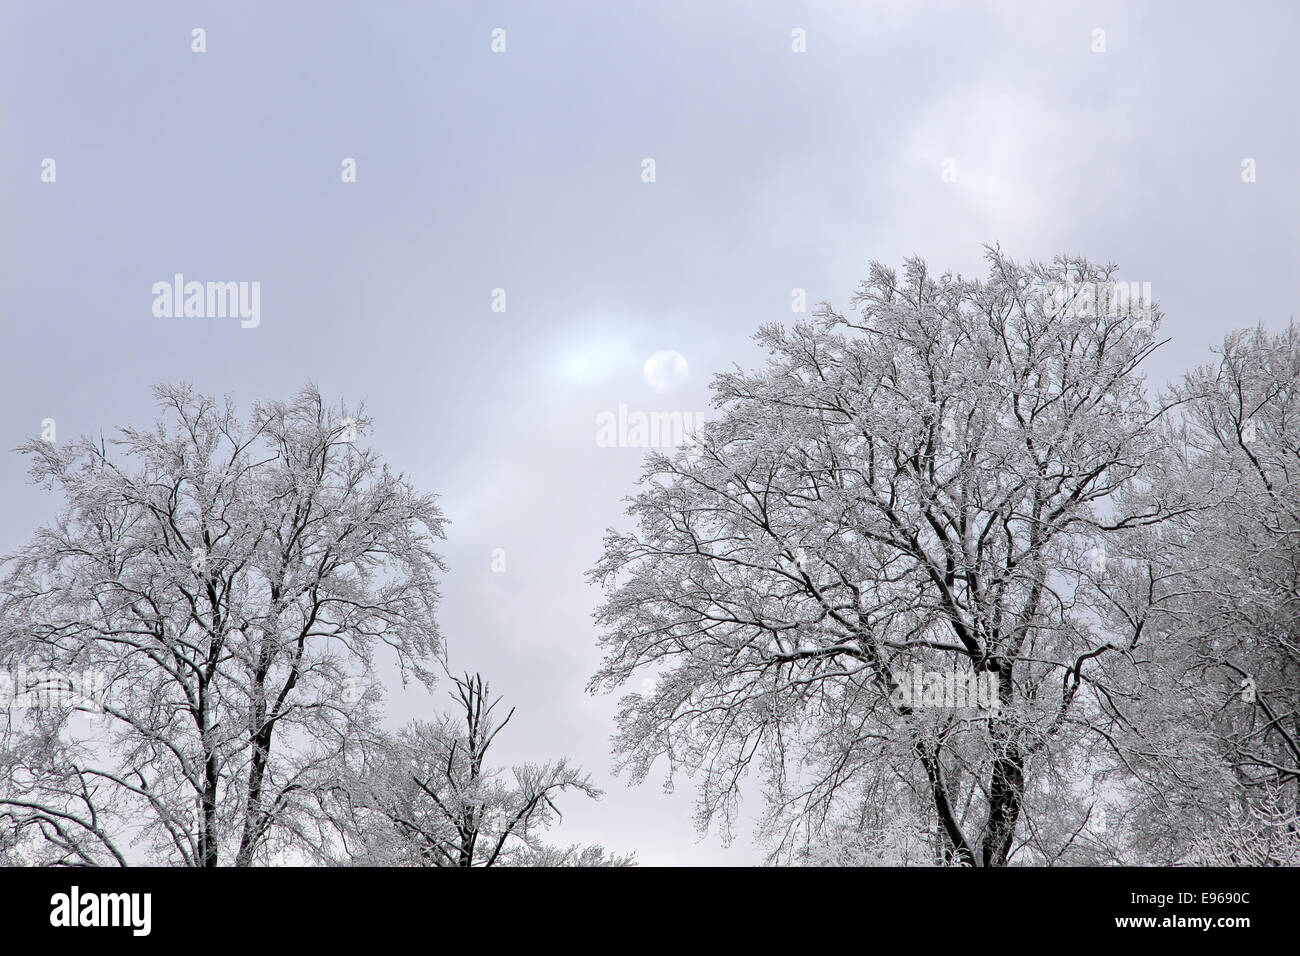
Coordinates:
429 797
231 584
1261 831
1229 745
936 483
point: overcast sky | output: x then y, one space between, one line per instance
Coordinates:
523 171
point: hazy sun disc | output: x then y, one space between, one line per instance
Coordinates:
666 370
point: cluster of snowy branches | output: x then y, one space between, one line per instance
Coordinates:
974 474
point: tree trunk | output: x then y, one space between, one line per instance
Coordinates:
1006 790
